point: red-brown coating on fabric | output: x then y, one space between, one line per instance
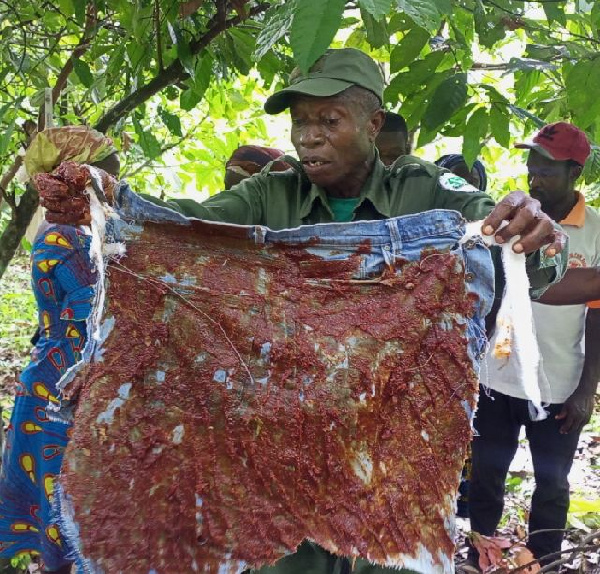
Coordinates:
351 431
63 195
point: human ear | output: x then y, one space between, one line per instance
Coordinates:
376 123
575 171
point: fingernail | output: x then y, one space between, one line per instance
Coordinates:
518 248
499 239
488 230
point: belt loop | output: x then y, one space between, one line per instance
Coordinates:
260 233
395 236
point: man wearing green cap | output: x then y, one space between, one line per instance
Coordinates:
336 115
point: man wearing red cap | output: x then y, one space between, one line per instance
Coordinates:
569 369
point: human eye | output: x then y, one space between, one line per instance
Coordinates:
332 122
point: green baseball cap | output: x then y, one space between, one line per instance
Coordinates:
331 74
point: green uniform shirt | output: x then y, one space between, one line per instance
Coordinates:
281 200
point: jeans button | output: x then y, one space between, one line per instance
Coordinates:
469 276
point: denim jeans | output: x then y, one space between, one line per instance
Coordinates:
376 246
498 423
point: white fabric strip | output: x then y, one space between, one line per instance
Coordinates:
514 339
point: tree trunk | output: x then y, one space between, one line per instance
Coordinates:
15 230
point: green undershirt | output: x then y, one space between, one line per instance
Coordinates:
342 207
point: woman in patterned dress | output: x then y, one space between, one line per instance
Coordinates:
63 282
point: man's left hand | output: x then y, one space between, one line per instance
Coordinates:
576 412
525 218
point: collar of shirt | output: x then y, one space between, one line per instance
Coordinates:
576 216
373 190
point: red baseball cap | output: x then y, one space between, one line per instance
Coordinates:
560 141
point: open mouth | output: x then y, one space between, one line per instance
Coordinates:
315 163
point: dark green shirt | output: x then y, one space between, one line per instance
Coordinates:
281 200
287 199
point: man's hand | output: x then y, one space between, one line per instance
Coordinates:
525 218
576 412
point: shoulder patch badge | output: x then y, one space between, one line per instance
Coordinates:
453 182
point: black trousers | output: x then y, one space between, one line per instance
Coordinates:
497 423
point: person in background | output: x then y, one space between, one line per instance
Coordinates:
63 284
392 141
250 159
456 164
570 368
579 285
245 161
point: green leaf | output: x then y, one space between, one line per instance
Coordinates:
583 86
170 120
426 136
115 63
475 130
400 22
204 74
455 127
527 64
595 17
448 98
527 116
541 52
377 34
554 13
277 23
25 244
79 7
83 72
408 49
415 106
377 8
313 28
183 48
583 506
489 29
358 40
426 13
500 124
495 95
66 7
591 171
147 140
418 74
7 133
188 99
10 105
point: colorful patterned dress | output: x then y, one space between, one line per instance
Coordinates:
63 283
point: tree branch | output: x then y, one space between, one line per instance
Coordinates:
11 236
584 545
7 178
172 73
